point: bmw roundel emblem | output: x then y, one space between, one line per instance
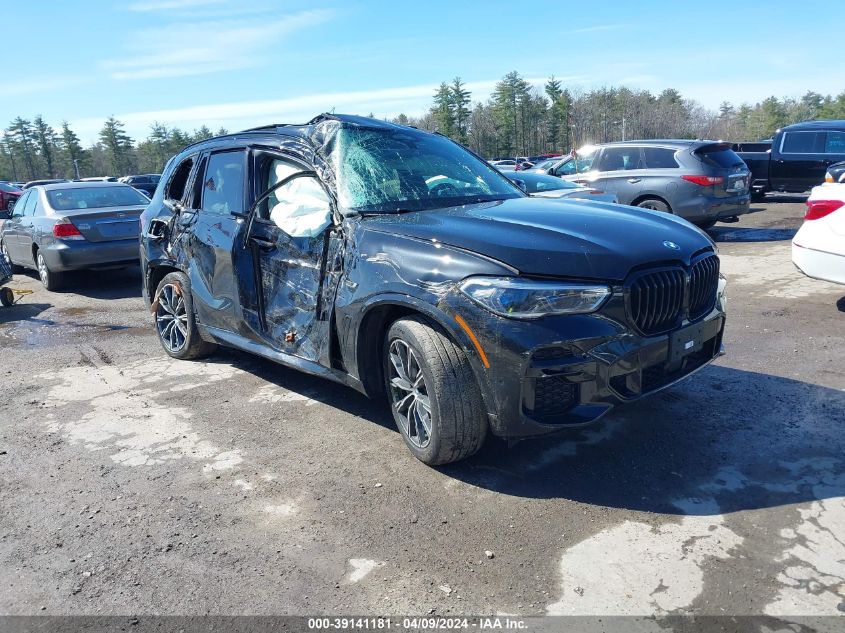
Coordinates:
671 245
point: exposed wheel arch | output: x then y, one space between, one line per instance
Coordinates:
156 274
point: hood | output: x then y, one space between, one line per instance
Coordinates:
556 237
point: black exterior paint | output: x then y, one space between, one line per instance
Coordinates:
323 304
774 170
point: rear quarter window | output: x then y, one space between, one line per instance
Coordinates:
660 158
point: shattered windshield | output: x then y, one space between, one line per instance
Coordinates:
389 171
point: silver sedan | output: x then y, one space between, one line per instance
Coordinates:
544 186
66 226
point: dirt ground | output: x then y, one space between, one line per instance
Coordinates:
131 483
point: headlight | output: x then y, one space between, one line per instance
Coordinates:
527 299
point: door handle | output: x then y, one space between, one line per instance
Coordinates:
634 181
263 244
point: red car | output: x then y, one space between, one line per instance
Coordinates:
8 197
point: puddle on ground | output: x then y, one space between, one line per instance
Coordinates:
37 332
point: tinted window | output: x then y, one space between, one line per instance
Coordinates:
659 158
834 143
802 143
95 197
720 157
620 159
223 184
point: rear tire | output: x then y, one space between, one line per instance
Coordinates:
51 279
7 297
655 205
433 393
174 319
705 225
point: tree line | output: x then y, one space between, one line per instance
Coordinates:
520 119
33 149
517 119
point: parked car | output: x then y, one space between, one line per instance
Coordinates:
835 173
9 195
71 225
506 164
701 181
545 186
799 156
818 249
49 181
394 261
144 182
97 179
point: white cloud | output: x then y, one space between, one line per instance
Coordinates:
384 102
599 28
170 5
178 50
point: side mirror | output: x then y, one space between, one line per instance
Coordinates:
521 184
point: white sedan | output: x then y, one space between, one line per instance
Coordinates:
818 249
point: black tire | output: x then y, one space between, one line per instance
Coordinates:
705 225
7 297
4 253
457 417
655 205
173 312
758 196
50 279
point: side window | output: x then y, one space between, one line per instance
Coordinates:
566 168
176 186
620 159
834 143
300 207
223 184
29 206
802 143
21 203
660 158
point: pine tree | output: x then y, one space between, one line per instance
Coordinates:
47 143
117 145
460 99
22 143
74 159
442 111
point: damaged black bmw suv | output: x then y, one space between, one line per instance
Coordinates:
395 261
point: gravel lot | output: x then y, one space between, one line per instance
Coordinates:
130 483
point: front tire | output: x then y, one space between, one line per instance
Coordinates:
50 279
433 393
174 319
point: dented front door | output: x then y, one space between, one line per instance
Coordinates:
288 236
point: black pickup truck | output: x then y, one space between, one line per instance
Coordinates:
798 158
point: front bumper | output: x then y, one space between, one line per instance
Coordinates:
72 255
563 372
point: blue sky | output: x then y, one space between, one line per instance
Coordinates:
248 62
